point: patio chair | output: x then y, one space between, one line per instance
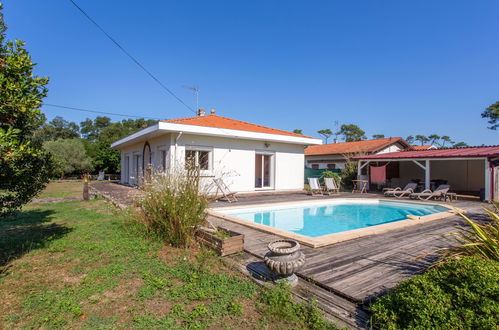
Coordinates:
331 186
428 194
399 192
315 187
226 193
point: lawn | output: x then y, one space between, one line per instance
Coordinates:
80 265
63 189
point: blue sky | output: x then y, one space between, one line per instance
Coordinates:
392 67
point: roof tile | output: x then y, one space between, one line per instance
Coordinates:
217 121
367 146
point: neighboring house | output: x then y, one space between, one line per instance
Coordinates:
427 147
332 156
247 156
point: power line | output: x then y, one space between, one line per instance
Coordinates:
131 57
95 111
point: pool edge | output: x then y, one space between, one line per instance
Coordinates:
316 242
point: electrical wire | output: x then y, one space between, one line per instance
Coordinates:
96 111
131 57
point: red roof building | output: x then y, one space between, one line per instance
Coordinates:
470 170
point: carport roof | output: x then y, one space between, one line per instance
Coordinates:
468 152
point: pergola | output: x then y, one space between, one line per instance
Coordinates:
477 166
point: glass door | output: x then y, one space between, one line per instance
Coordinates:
263 171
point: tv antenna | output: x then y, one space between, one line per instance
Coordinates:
196 92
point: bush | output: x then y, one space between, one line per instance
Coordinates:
334 175
69 155
173 206
457 294
279 305
481 240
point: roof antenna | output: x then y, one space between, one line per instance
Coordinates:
196 92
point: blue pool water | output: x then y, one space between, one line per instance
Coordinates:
322 218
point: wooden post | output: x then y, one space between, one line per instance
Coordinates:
427 174
86 196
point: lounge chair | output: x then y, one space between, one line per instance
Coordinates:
315 187
399 192
226 193
428 194
331 186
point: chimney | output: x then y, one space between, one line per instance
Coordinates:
212 111
201 112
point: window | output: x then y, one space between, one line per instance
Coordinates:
197 158
315 166
331 166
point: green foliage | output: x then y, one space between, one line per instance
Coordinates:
172 207
349 173
458 294
410 139
492 114
351 133
480 240
326 133
422 139
70 156
24 168
279 305
298 131
334 175
100 133
460 145
378 136
57 128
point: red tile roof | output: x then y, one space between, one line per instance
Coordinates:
488 151
367 146
427 147
217 121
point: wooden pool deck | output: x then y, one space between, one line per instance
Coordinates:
363 268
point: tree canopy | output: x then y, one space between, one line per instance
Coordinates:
351 133
70 156
57 128
492 114
24 167
326 133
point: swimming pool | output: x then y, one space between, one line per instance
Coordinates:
318 219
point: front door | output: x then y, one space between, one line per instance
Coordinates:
263 171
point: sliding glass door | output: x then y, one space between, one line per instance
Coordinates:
263 171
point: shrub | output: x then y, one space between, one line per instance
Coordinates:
481 240
457 294
70 156
173 205
279 305
334 175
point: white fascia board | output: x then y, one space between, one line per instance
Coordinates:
214 131
135 136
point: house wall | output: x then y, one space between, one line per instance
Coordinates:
231 159
462 175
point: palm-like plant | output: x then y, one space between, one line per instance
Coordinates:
480 240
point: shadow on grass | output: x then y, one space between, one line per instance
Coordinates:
24 232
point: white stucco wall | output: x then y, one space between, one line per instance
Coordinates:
231 159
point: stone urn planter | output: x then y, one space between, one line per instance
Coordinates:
284 259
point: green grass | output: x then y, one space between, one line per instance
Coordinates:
81 264
58 189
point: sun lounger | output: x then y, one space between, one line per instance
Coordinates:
226 193
315 187
399 192
331 186
427 194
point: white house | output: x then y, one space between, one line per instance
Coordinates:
247 156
